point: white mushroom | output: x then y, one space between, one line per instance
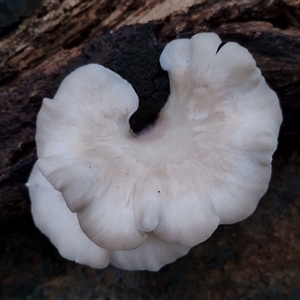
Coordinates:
104 195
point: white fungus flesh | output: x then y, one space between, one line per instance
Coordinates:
103 195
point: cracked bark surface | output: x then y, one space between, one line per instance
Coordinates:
40 59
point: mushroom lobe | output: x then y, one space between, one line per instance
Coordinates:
103 195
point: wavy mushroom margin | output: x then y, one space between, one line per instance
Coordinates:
103 195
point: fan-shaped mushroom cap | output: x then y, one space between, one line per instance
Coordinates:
148 199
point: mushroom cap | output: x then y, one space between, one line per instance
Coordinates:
142 201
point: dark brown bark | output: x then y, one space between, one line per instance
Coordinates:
270 30
255 259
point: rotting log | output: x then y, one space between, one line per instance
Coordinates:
62 35
254 259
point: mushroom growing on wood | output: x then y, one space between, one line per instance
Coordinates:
103 195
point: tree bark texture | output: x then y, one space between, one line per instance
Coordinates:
37 55
255 259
